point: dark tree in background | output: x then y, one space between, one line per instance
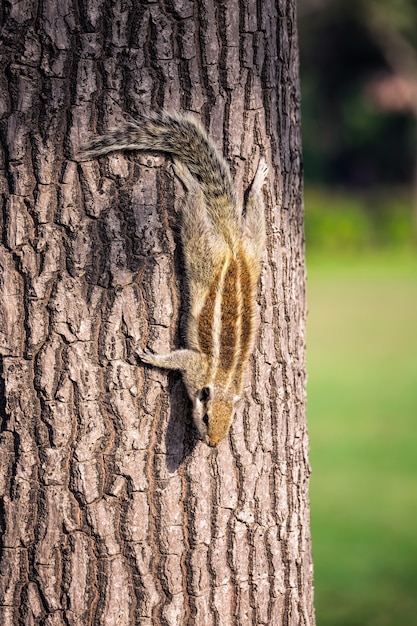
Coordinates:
112 511
359 76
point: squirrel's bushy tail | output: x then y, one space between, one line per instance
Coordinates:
179 134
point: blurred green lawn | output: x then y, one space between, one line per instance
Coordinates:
362 414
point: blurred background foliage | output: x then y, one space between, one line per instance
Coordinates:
359 116
358 104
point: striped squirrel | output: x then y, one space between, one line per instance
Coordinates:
222 247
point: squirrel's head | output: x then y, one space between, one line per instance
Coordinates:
213 413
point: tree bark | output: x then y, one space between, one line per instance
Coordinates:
112 511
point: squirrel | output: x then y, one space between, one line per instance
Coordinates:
222 246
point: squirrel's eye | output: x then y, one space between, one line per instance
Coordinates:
204 394
206 419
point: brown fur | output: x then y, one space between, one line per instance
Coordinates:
206 319
229 318
247 318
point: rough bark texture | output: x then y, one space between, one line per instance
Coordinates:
112 511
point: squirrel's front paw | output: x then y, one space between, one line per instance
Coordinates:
145 355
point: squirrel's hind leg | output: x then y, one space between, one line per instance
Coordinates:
254 219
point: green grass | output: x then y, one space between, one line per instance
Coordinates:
357 221
362 412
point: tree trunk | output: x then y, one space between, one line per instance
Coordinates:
112 511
